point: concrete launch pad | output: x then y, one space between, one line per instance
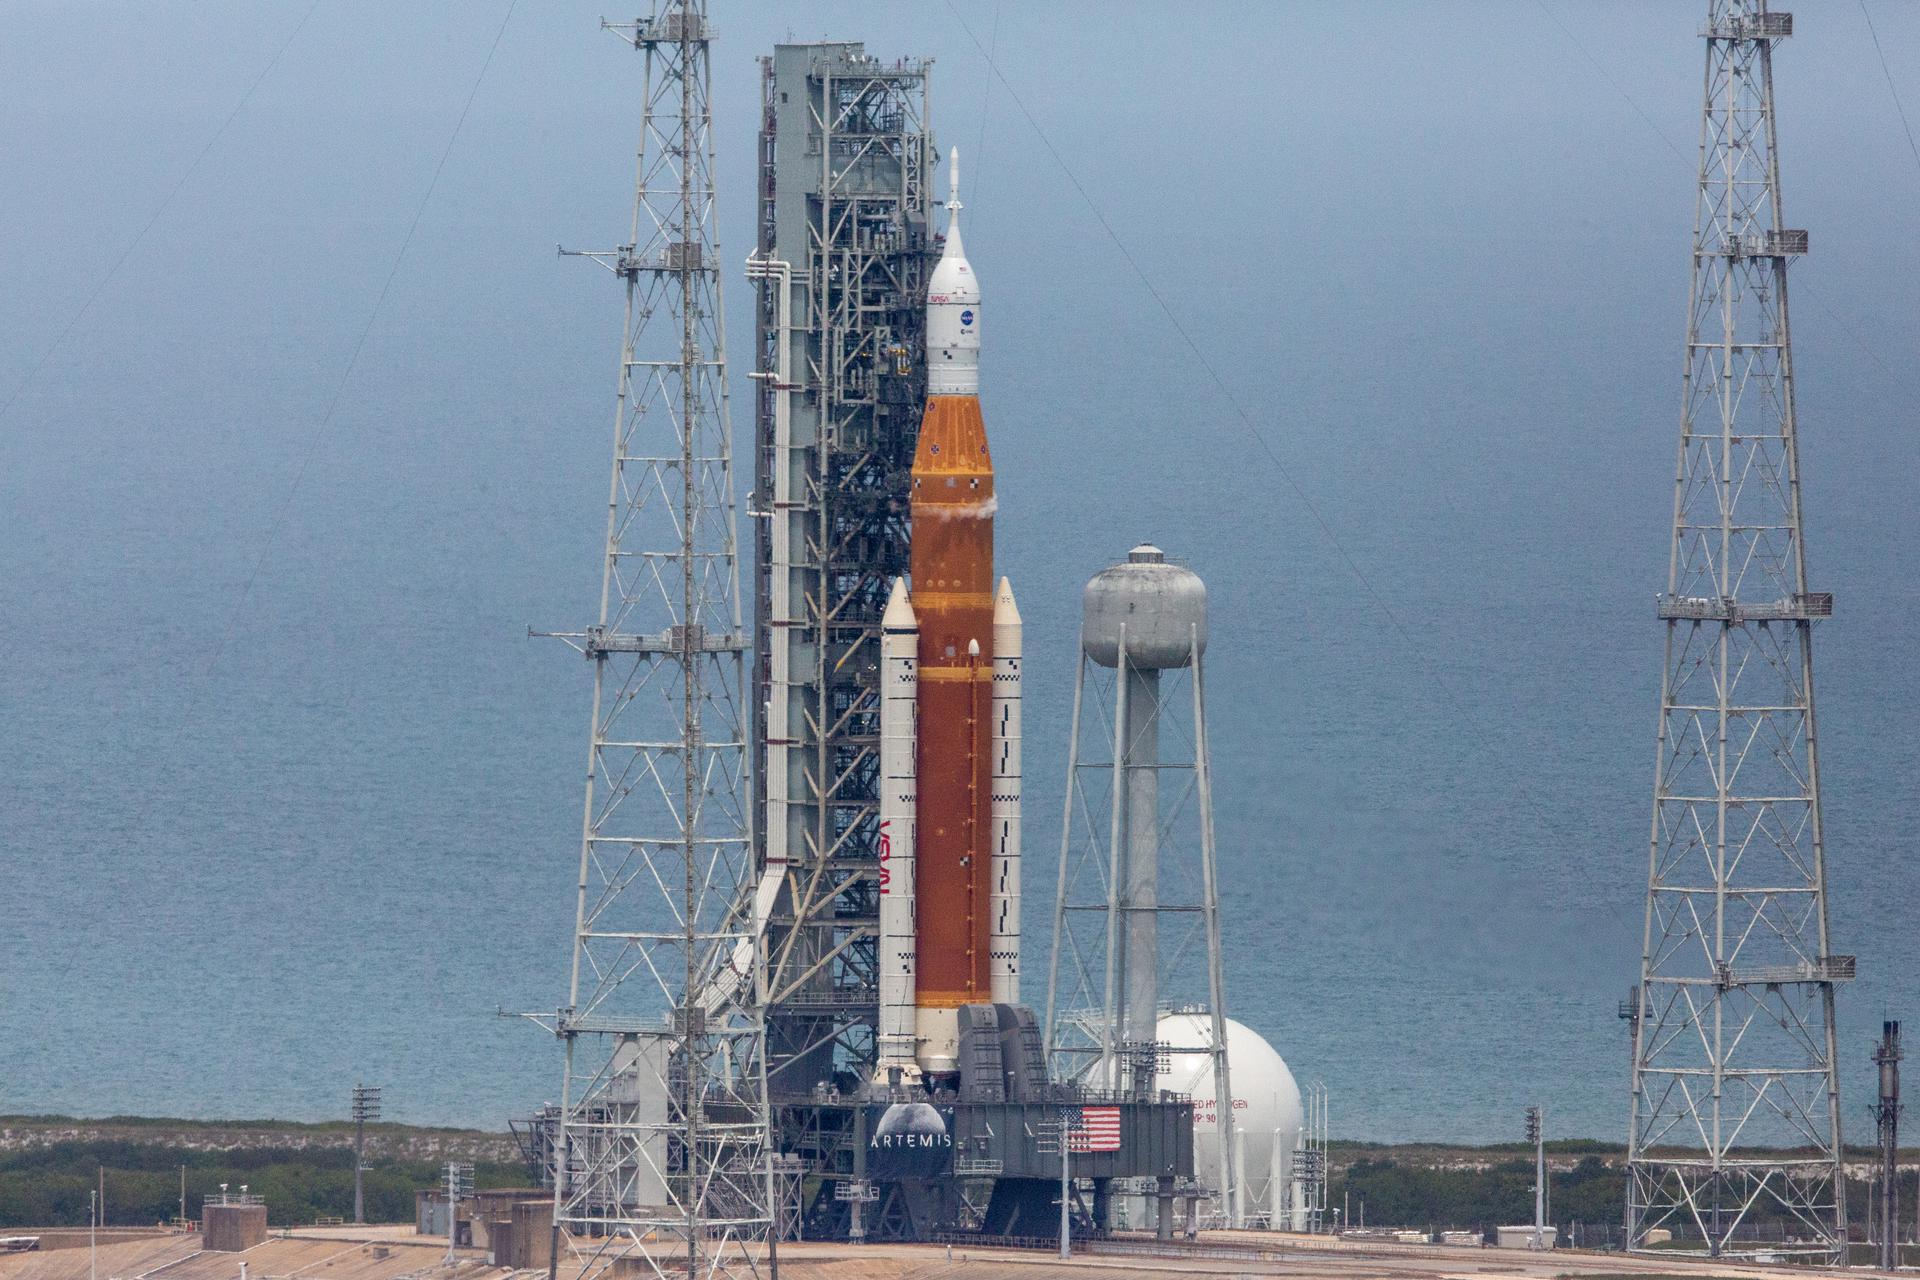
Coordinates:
388 1253
349 1253
1255 1254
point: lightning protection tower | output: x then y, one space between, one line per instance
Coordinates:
1137 903
663 1161
1735 1113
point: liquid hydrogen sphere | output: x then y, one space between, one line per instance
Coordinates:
1266 1101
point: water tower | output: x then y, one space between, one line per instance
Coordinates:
1137 905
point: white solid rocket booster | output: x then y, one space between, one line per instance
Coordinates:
1005 901
899 737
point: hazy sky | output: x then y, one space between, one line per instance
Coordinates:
267 708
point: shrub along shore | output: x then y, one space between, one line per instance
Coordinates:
48 1164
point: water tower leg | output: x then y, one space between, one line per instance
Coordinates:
1115 994
1230 1173
1066 849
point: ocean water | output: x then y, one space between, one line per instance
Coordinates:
288 799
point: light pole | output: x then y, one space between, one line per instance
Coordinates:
1062 1132
1886 1113
1536 1135
1066 1192
459 1186
366 1107
93 1221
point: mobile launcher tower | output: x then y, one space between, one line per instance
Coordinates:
905 1076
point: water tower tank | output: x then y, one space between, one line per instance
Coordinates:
1162 606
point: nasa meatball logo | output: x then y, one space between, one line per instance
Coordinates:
966 317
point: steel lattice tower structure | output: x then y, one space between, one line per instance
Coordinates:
1735 1113
664 1163
843 259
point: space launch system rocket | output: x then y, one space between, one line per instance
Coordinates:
950 715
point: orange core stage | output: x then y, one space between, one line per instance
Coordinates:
952 564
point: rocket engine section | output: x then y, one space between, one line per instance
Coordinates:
950 714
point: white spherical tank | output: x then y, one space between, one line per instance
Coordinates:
1266 1104
1162 606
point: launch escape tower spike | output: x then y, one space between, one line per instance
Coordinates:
842 263
663 1158
1735 1115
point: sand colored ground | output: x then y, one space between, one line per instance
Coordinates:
394 1253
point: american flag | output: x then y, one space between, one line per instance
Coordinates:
1099 1130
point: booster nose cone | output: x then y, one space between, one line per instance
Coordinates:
899 613
1005 611
953 307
